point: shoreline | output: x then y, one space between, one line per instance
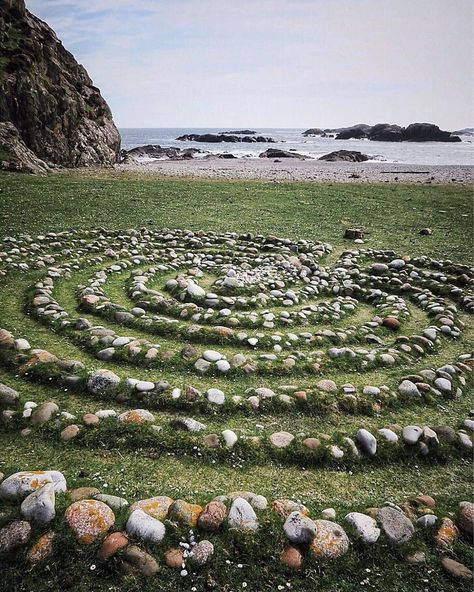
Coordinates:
306 170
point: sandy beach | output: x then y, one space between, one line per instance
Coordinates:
307 170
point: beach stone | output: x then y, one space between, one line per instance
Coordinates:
425 500
311 443
416 558
327 386
215 396
391 323
389 435
426 521
202 552
21 345
411 434
102 381
446 535
299 528
443 384
407 387
43 413
281 439
466 519
136 416
8 396
212 516
42 549
18 485
144 527
230 438
456 569
111 545
89 519
143 386
188 424
184 513
174 558
330 540
82 493
90 419
138 559
292 558
285 507
365 526
211 355
113 501
367 442
242 515
157 507
396 526
39 505
13 535
69 432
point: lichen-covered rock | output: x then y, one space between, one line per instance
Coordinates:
157 507
89 519
466 519
284 507
102 381
136 416
59 115
144 527
446 535
18 485
330 540
202 552
40 505
212 516
184 513
42 549
13 535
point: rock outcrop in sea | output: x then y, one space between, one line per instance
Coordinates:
50 112
387 132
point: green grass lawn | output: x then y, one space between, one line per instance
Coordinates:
391 217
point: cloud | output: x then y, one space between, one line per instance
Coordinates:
293 63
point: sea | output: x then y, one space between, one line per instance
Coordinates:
420 153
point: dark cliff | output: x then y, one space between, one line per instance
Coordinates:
49 98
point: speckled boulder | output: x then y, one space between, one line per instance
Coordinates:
330 540
136 416
212 516
157 507
89 519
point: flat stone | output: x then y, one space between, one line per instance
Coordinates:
327 386
281 439
456 569
111 545
42 549
102 381
69 432
138 559
113 501
82 493
411 434
136 416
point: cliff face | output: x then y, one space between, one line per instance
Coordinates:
60 115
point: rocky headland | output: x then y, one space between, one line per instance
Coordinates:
387 132
51 114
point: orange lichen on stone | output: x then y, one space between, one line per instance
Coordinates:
157 507
42 548
89 519
446 535
184 513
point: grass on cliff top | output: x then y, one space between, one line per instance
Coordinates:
391 216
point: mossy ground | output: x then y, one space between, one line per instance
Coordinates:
391 216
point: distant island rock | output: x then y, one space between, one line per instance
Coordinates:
215 138
387 132
59 116
277 153
466 131
345 156
242 133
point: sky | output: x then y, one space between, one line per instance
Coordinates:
273 63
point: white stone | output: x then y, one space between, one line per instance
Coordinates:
242 515
365 526
40 505
144 527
